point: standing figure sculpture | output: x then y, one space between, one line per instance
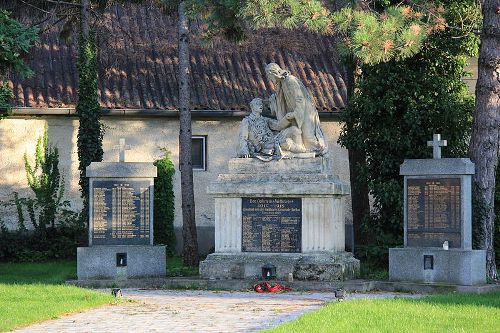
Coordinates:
293 102
257 138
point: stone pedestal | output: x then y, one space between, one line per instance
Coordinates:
103 262
463 267
121 223
437 225
289 213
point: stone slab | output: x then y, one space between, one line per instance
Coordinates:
280 188
317 266
443 166
454 266
99 262
294 165
121 169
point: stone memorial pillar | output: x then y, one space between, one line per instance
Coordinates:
121 196
288 213
437 223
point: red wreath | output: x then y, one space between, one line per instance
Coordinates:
266 287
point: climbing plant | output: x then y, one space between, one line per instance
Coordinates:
90 131
163 224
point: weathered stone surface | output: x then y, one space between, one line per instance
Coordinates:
463 267
97 262
442 166
255 166
302 177
118 169
321 266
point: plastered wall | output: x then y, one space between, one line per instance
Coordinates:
147 137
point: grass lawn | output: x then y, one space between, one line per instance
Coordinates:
175 267
439 313
33 292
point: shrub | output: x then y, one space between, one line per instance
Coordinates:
163 223
55 229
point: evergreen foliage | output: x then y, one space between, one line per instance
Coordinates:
397 108
90 131
163 223
15 42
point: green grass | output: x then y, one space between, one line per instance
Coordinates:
48 272
371 272
175 267
33 292
440 313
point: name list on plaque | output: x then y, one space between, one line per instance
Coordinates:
120 212
271 224
434 212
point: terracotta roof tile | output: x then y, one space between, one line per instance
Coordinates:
138 59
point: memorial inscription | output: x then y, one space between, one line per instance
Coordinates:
121 212
271 224
434 212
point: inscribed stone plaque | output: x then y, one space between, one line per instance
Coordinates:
271 224
121 212
433 212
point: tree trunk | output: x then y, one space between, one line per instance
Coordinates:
189 236
485 138
85 18
359 187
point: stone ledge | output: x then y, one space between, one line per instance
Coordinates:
443 166
294 165
277 189
196 283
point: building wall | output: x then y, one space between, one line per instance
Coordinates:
147 137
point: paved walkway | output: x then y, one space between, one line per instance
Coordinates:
193 311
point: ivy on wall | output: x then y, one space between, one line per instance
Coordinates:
90 131
163 223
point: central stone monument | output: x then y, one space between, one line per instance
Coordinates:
280 204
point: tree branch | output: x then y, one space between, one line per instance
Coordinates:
36 7
64 3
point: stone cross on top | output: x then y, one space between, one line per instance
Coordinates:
436 145
122 147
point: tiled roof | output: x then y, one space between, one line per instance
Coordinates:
138 64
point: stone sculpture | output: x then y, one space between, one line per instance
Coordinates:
295 132
257 138
292 99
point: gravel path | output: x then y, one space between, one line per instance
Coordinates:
194 311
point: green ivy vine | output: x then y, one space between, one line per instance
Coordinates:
90 131
163 221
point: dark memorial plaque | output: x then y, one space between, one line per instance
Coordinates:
120 212
271 224
433 212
